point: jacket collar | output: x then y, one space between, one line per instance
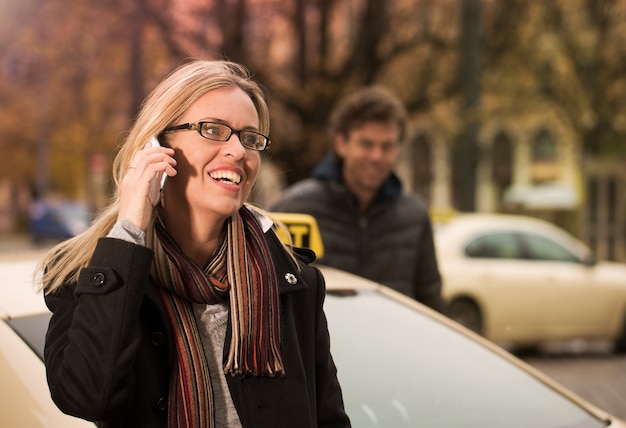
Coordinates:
287 272
330 169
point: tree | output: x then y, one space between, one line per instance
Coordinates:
310 53
567 55
62 69
73 74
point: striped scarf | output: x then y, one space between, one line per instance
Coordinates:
242 269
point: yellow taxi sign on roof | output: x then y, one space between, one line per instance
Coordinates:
302 229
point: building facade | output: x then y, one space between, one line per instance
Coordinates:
532 166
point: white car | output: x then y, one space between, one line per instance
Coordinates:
399 364
521 281
24 397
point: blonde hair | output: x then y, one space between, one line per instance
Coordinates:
162 108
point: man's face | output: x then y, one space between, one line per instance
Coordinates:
369 153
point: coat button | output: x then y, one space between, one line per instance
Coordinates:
158 338
99 279
161 404
291 278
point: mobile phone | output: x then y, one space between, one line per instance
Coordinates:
157 183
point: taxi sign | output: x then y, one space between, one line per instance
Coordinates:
303 231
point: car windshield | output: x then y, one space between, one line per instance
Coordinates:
32 330
400 368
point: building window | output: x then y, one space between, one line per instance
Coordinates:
544 147
545 165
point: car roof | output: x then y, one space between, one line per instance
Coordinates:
18 293
488 220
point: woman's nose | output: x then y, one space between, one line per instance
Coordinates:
234 147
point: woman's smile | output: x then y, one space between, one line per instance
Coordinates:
226 176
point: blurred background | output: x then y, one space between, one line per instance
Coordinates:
515 106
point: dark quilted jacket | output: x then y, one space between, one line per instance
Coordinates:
391 243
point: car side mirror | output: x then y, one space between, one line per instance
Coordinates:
589 260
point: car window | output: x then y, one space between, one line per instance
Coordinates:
400 368
542 248
494 246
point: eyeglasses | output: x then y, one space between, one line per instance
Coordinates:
220 132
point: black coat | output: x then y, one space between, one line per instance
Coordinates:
109 348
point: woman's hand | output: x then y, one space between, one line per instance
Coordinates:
135 203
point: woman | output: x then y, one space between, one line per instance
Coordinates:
190 313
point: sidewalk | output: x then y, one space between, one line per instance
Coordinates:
11 242
15 247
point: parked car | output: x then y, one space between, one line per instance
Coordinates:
399 364
25 400
57 220
521 281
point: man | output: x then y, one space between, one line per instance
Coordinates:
369 226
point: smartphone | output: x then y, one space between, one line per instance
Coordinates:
157 183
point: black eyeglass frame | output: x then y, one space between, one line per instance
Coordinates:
198 127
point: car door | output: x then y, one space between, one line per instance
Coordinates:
569 302
497 267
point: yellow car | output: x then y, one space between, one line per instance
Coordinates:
521 281
399 364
